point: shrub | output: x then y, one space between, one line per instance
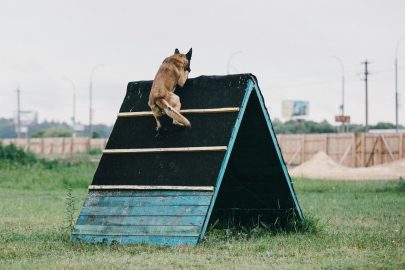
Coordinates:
12 153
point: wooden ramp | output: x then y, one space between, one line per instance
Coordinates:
167 188
166 217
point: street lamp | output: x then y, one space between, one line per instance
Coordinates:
228 65
91 99
342 107
396 82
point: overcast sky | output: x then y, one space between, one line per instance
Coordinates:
288 45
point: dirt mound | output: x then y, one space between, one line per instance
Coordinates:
321 166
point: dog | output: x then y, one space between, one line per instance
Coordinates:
162 100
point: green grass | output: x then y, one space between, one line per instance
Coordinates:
46 175
354 225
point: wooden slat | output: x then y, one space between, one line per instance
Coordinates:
129 239
145 211
140 220
345 154
147 201
187 111
388 148
354 149
137 230
170 149
295 154
138 187
372 151
147 193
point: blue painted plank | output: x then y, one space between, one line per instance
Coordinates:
148 193
137 230
147 201
145 211
128 239
140 220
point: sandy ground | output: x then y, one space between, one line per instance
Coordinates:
321 166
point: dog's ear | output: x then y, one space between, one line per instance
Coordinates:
188 55
176 51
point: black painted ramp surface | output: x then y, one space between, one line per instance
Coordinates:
191 168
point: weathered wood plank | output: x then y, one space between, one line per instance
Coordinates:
140 220
143 187
388 148
147 193
147 201
137 230
129 239
145 211
187 111
345 154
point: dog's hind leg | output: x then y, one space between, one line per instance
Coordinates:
158 124
156 114
174 101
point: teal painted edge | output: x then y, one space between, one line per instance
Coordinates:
144 240
280 156
227 156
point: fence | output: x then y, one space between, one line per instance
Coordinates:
50 146
348 149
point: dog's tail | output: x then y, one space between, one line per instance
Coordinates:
172 113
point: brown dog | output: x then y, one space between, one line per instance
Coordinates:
162 99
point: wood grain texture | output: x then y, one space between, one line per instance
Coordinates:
164 217
147 201
130 239
138 187
144 211
147 193
137 230
140 220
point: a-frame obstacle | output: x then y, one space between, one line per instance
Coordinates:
168 189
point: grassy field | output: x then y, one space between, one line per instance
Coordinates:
358 225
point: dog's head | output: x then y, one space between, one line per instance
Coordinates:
186 58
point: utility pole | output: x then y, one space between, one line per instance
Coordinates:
366 81
396 83
18 113
396 94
